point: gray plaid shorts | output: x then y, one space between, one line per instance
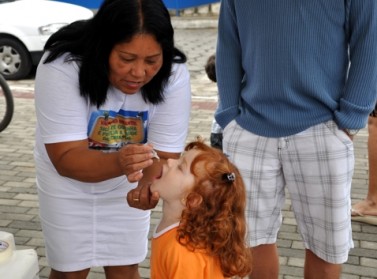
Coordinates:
315 167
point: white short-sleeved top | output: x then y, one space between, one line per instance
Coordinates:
64 115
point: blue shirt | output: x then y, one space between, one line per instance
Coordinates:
285 65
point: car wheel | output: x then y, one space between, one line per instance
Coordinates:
15 61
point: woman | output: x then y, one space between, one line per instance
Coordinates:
104 88
202 232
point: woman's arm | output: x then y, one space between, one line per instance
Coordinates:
75 160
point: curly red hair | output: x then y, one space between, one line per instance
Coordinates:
214 217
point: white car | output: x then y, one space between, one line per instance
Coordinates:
25 26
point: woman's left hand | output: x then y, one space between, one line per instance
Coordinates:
142 198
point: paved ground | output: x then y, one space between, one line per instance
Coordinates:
19 204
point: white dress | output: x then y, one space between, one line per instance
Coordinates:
91 224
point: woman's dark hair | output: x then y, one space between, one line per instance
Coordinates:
90 42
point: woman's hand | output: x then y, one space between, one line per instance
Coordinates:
133 158
142 198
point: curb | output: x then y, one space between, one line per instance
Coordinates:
197 23
200 17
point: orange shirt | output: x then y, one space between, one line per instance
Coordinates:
171 260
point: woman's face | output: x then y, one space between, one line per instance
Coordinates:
175 179
135 63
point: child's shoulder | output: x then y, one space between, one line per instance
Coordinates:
172 229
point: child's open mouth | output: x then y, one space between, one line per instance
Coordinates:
159 176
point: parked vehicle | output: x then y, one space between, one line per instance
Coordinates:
25 26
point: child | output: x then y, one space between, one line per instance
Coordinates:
202 231
216 131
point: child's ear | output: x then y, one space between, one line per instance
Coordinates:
194 200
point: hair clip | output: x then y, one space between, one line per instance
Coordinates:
229 177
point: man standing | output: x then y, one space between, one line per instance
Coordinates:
296 80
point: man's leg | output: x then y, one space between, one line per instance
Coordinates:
316 268
368 206
318 167
257 158
265 262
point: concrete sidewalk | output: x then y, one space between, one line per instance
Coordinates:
19 203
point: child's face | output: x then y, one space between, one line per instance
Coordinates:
175 179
